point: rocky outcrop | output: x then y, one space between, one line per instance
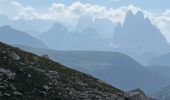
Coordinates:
137 94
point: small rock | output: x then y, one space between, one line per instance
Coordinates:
13 87
46 87
8 73
32 63
4 52
35 58
45 56
14 56
2 87
23 64
4 57
17 93
29 75
6 94
44 93
50 83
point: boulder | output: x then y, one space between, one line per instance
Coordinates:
45 56
14 56
137 94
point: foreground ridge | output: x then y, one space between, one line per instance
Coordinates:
25 76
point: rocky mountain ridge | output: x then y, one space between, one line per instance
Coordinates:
25 76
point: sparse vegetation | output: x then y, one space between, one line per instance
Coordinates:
39 78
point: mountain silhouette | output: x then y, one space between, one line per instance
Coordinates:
103 26
58 37
34 27
13 36
139 34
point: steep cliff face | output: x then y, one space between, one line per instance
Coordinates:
25 76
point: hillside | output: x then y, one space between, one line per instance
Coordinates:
25 76
113 67
163 94
162 60
12 36
162 70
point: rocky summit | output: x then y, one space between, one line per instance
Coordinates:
25 76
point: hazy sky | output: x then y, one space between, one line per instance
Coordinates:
158 11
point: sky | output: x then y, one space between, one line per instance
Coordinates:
153 5
158 11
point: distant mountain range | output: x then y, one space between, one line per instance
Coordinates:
13 36
132 38
103 26
59 38
115 68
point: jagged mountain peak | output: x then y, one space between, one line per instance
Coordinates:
137 14
58 28
134 18
136 33
140 14
129 14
